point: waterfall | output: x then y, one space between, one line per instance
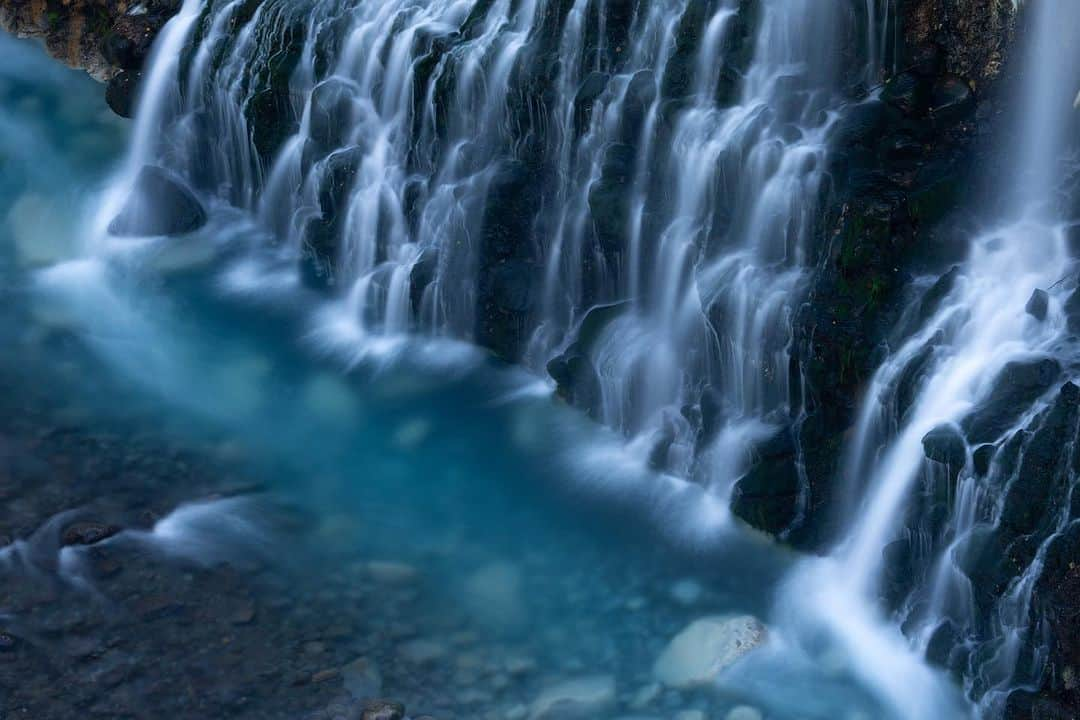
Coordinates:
622 194
962 487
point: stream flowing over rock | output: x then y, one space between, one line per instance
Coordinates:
814 259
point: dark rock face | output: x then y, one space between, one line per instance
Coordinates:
1038 305
121 92
945 444
158 205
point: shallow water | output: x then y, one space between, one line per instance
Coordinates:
529 531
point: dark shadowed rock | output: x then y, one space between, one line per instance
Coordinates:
945 444
87 533
951 99
767 497
982 457
158 205
128 42
1016 387
121 92
1038 304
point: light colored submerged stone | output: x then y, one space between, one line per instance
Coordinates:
706 647
690 715
41 235
577 699
330 397
409 435
687 591
494 597
645 696
362 679
743 712
392 573
421 651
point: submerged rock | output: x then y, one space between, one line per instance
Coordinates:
158 205
705 648
383 710
494 596
579 699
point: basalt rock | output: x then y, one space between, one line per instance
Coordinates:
106 38
159 204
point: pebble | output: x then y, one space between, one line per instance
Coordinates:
383 710
517 712
362 678
587 696
687 592
743 712
392 573
645 696
421 652
690 715
325 675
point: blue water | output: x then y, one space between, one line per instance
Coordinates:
430 454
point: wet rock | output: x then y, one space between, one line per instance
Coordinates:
383 710
331 113
121 93
151 607
326 675
1016 387
706 647
945 444
494 597
128 43
907 92
646 695
951 99
982 457
362 679
581 698
87 533
159 204
1038 304
743 712
1041 484
687 591
392 573
422 652
767 497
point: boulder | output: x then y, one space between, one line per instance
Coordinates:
580 698
1038 304
121 93
945 444
705 648
159 204
1016 387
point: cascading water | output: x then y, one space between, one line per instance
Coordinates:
624 192
964 483
627 194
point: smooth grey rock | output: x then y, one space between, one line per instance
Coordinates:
705 648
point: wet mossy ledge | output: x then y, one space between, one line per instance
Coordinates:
109 39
